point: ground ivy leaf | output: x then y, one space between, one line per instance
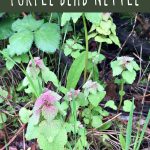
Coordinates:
27 23
129 76
20 43
111 104
47 38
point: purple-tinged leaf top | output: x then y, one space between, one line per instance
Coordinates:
46 104
72 94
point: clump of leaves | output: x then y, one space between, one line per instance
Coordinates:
73 47
105 31
126 67
37 73
44 125
28 30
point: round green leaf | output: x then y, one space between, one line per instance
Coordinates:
47 38
20 43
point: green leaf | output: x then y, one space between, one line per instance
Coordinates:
129 128
101 39
67 16
3 118
48 75
94 18
5 29
27 23
95 99
25 58
55 136
20 43
92 35
129 76
75 71
129 66
111 104
115 39
24 114
143 131
135 65
96 121
47 38
117 69
122 141
127 106
4 94
32 129
9 64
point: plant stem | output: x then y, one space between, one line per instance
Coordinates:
121 95
99 48
87 47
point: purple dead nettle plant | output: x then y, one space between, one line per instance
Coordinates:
92 87
37 62
45 106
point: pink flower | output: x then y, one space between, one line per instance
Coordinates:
46 104
38 62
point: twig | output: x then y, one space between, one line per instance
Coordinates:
14 137
129 34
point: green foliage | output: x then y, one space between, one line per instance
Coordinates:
122 141
73 48
3 118
5 28
104 31
111 104
24 115
96 121
37 73
94 18
20 43
126 67
28 30
75 71
3 95
127 106
47 37
129 128
66 111
27 23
